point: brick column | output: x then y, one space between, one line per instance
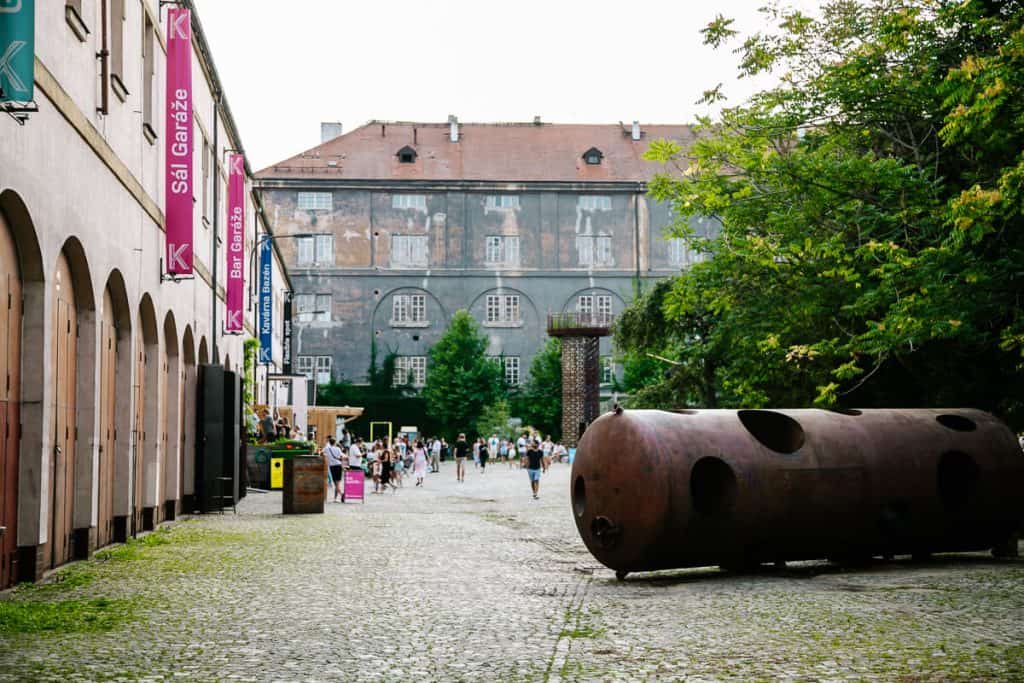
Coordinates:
580 385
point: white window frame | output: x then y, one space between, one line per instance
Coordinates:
503 309
677 251
595 250
512 374
313 307
306 366
607 369
322 312
603 307
594 202
325 249
585 304
409 309
404 365
323 369
315 201
409 251
502 250
493 253
417 202
508 202
305 251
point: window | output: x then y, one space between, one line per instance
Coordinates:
595 202
409 201
599 306
512 370
316 201
502 201
409 308
409 250
323 369
313 307
148 76
677 251
117 49
607 369
604 307
317 368
503 249
410 370
585 304
503 308
593 156
594 250
317 249
206 181
406 155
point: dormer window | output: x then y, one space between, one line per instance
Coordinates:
407 155
593 156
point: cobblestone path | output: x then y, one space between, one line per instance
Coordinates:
478 582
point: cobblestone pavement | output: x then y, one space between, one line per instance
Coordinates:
478 582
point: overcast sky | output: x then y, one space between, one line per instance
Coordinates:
287 66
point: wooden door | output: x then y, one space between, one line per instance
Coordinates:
108 431
62 462
10 398
139 432
163 462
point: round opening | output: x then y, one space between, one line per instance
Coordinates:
579 496
712 486
957 479
957 423
376 292
376 234
776 431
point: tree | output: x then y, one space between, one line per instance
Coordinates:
870 212
494 420
541 399
461 380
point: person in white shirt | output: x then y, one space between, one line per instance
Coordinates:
435 456
334 456
547 447
355 455
492 444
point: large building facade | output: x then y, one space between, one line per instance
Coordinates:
99 352
399 225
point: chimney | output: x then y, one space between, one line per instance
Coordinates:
453 128
536 120
329 130
636 130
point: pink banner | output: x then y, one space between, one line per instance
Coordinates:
179 180
354 485
236 244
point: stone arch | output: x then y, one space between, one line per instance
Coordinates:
204 352
113 482
22 352
73 400
227 362
170 422
147 432
186 459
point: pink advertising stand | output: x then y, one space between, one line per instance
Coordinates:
354 485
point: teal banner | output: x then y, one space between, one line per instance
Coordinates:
17 50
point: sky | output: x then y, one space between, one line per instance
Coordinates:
287 66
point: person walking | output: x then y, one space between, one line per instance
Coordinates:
547 447
492 446
534 458
435 455
386 464
334 456
484 455
419 462
476 454
461 453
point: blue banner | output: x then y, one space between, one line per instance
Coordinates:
266 302
17 50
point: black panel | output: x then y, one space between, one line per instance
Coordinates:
209 436
232 438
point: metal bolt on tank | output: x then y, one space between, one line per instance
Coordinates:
669 489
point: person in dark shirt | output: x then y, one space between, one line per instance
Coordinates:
267 426
484 455
534 460
461 453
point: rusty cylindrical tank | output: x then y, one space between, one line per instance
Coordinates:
657 490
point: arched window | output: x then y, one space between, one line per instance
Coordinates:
593 156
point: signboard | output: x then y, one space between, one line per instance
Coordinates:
236 244
266 322
178 172
286 335
17 50
353 489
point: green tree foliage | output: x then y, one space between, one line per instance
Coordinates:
461 380
870 206
540 403
494 420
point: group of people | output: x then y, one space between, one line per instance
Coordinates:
271 429
387 463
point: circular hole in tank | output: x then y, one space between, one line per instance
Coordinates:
579 496
957 479
776 431
712 486
957 423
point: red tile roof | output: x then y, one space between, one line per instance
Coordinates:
485 151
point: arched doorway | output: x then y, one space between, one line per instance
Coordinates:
64 362
171 420
187 460
146 430
204 354
113 472
10 399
